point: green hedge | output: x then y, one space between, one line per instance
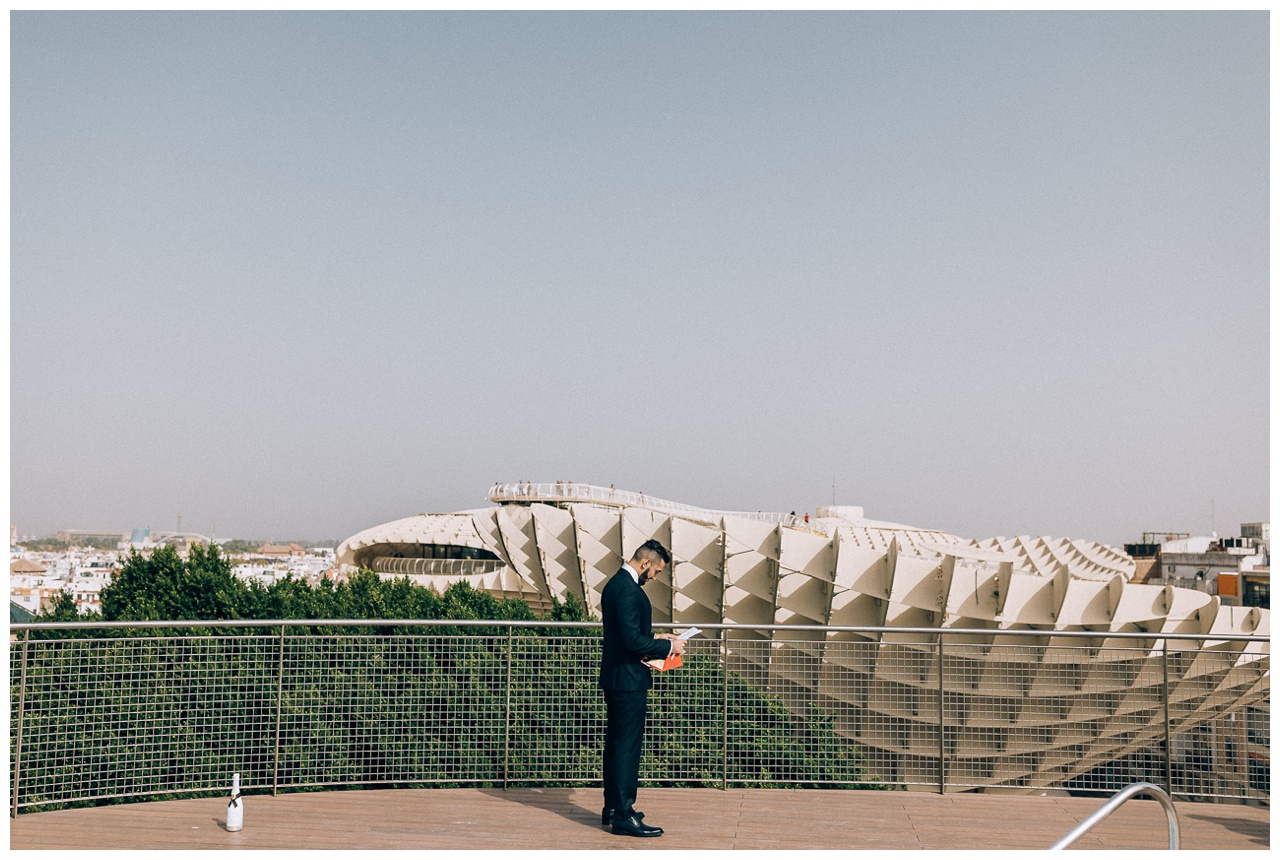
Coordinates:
172 713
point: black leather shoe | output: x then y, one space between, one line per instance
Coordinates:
632 826
606 816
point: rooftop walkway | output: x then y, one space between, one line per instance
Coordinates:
569 818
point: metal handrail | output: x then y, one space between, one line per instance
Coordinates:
519 491
1175 838
949 632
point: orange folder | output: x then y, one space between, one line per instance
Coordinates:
672 661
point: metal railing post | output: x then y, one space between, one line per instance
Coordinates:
506 732
942 726
275 755
1242 752
724 702
1168 738
22 707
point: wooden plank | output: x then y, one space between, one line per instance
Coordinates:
695 819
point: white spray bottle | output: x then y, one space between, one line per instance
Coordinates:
235 806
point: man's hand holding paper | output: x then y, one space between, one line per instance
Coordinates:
677 644
673 660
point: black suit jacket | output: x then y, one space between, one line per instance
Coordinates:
628 635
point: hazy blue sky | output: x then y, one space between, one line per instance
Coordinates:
298 274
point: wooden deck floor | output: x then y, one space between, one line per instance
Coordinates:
569 818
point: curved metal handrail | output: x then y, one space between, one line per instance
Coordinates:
1115 803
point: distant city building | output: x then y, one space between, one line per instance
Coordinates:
1235 569
37 577
87 595
1257 531
1146 554
279 551
180 541
29 585
72 535
33 592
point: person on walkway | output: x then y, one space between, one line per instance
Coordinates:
628 641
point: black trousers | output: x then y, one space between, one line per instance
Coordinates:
623 737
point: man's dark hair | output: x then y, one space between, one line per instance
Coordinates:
652 550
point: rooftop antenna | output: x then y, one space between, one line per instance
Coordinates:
833 491
179 522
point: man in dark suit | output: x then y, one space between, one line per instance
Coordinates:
628 641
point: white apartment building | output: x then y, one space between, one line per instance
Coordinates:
1236 569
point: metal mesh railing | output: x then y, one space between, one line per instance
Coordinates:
166 711
119 717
